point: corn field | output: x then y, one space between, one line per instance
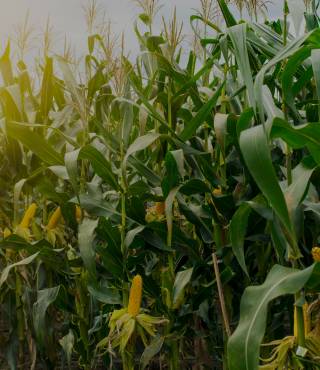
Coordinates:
161 210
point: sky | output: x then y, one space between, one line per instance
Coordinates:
67 18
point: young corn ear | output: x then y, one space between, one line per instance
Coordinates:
54 219
135 296
28 216
160 208
306 319
78 213
316 254
6 233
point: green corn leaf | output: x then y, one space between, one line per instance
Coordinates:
238 228
71 165
295 193
245 120
289 77
315 59
194 186
307 135
42 248
201 116
46 89
141 143
74 88
105 295
255 150
145 171
221 129
182 279
35 143
244 344
10 97
238 37
100 165
286 52
169 208
256 153
6 67
227 15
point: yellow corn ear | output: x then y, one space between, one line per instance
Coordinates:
306 319
316 254
28 216
160 208
217 191
135 296
78 213
6 233
54 219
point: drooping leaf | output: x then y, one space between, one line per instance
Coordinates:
23 262
105 295
85 239
67 343
151 350
45 298
141 143
181 281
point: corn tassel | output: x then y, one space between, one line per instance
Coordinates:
306 319
54 219
135 296
28 216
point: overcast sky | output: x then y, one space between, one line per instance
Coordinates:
67 17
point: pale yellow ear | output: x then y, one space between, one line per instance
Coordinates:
54 219
160 208
316 254
28 216
78 214
23 232
6 233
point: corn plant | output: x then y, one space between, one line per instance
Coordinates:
163 211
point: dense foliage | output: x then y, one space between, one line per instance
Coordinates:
191 176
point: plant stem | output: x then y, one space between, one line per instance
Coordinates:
284 108
300 323
285 19
221 295
174 345
20 316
